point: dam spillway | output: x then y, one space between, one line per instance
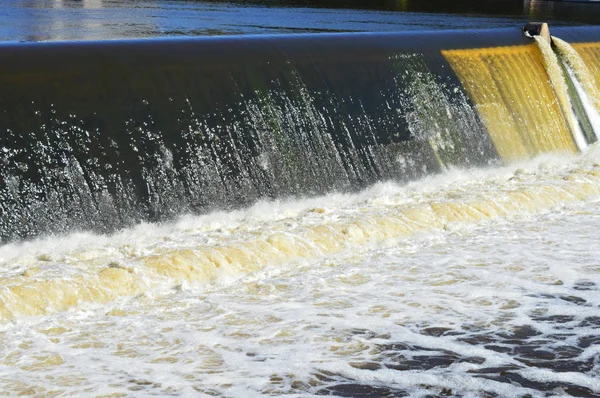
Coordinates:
103 135
347 214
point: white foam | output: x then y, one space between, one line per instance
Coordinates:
272 331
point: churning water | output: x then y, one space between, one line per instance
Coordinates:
470 283
478 282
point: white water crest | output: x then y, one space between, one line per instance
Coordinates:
468 283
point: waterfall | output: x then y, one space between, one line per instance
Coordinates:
511 91
104 135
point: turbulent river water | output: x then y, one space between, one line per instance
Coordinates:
470 283
479 282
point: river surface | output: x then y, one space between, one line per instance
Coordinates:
45 20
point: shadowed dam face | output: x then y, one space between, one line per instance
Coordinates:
102 135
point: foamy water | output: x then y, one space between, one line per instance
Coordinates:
470 283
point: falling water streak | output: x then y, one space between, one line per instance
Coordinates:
583 79
511 91
557 79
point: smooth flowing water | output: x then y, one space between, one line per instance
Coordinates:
43 20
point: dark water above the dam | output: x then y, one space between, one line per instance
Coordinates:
44 20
